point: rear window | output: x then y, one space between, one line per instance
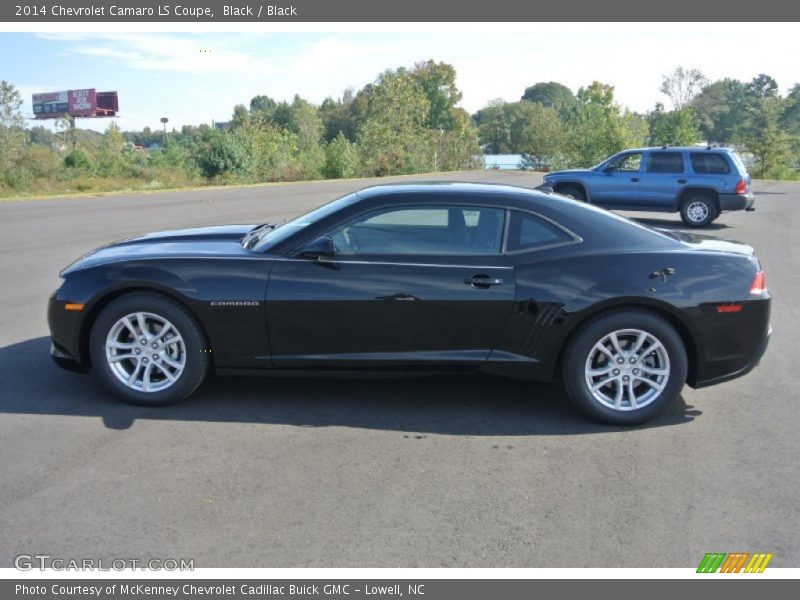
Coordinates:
709 162
527 231
665 162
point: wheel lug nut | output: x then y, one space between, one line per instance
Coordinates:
636 371
620 360
626 378
633 360
155 345
142 341
138 351
616 371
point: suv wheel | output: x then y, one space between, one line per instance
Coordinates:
625 367
573 192
698 210
148 350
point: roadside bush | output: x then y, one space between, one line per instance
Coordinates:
79 159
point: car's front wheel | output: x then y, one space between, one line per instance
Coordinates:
572 191
148 350
698 210
625 367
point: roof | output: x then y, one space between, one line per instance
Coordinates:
681 148
444 188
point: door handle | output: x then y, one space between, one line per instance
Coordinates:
483 281
635 179
681 181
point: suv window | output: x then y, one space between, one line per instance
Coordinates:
527 231
627 162
709 162
447 230
665 162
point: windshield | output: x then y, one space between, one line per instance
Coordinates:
270 237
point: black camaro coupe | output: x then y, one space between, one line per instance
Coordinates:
412 279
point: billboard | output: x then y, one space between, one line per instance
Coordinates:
75 103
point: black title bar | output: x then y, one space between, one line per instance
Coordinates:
97 11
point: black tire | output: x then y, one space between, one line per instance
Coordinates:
698 209
196 362
572 191
583 344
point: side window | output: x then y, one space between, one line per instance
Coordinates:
422 230
527 231
627 162
709 163
665 162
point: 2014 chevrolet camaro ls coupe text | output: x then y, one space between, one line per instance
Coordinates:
420 279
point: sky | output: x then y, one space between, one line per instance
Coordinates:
194 78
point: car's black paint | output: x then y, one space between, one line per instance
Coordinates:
270 309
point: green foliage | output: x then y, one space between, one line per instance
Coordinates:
769 143
224 153
597 128
673 128
393 139
79 159
341 158
550 95
12 125
438 82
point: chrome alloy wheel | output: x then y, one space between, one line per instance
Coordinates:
145 352
627 369
697 211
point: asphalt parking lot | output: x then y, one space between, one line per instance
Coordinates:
468 472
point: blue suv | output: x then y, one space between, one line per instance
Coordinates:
698 182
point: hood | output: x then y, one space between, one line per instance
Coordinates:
697 241
222 240
566 173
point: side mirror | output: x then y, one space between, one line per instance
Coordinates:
321 248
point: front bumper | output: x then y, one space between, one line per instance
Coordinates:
737 201
65 360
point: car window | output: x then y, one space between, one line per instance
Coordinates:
627 162
709 162
527 231
665 162
449 230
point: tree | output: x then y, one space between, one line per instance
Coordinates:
262 108
12 125
765 138
550 94
241 116
542 139
341 158
682 85
597 128
673 128
393 138
438 81
721 110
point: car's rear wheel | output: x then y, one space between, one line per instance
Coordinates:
698 210
572 191
625 367
148 350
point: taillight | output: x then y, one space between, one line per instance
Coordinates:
741 187
759 285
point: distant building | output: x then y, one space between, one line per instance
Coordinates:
504 162
223 125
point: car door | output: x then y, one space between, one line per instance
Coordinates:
407 288
663 178
618 182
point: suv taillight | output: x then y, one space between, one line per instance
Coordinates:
741 187
759 285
